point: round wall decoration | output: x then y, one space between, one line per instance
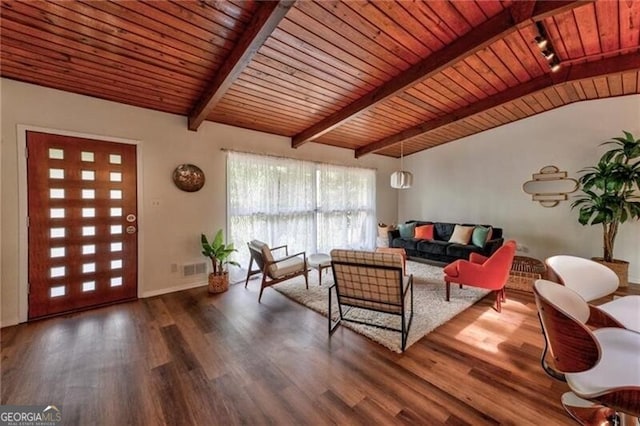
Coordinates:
188 177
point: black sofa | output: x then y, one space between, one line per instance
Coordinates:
440 249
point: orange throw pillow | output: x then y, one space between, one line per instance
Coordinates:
424 232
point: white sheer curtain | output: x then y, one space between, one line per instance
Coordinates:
346 208
309 206
270 199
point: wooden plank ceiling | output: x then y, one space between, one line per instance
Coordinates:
356 74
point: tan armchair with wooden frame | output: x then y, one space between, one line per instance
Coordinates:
601 366
275 270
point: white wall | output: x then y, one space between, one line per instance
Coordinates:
170 230
478 179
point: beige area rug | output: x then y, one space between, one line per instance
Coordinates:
430 308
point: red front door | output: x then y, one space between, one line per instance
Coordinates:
82 223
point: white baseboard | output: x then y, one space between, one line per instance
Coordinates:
9 323
180 287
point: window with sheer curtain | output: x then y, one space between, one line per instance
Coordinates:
309 206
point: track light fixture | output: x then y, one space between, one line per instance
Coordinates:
546 48
541 42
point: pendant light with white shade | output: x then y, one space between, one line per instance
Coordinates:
401 179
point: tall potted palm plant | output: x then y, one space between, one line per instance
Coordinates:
219 253
611 196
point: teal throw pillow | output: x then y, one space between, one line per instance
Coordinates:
407 230
480 236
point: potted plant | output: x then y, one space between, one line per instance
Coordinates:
219 253
611 196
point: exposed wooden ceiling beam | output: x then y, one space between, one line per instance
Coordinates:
522 10
264 21
567 75
478 38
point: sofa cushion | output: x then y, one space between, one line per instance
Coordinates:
405 243
424 232
407 230
462 251
443 231
433 247
480 236
461 234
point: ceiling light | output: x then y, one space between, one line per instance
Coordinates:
401 179
541 42
554 64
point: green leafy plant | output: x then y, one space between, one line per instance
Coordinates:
218 252
611 190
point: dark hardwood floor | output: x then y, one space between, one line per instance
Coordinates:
190 358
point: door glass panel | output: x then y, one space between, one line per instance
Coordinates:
116 264
88 194
88 231
88 268
57 232
56 193
115 159
57 271
116 281
116 211
115 177
88 175
57 213
116 229
56 154
57 251
89 286
88 212
57 291
87 156
115 194
116 246
89 249
56 173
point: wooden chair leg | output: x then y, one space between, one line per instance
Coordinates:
248 273
262 286
504 294
498 300
448 291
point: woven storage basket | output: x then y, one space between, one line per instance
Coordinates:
383 230
524 272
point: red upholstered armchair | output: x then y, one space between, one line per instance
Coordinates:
479 271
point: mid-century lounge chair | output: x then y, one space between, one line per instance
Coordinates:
275 270
601 366
589 279
592 281
479 271
372 281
